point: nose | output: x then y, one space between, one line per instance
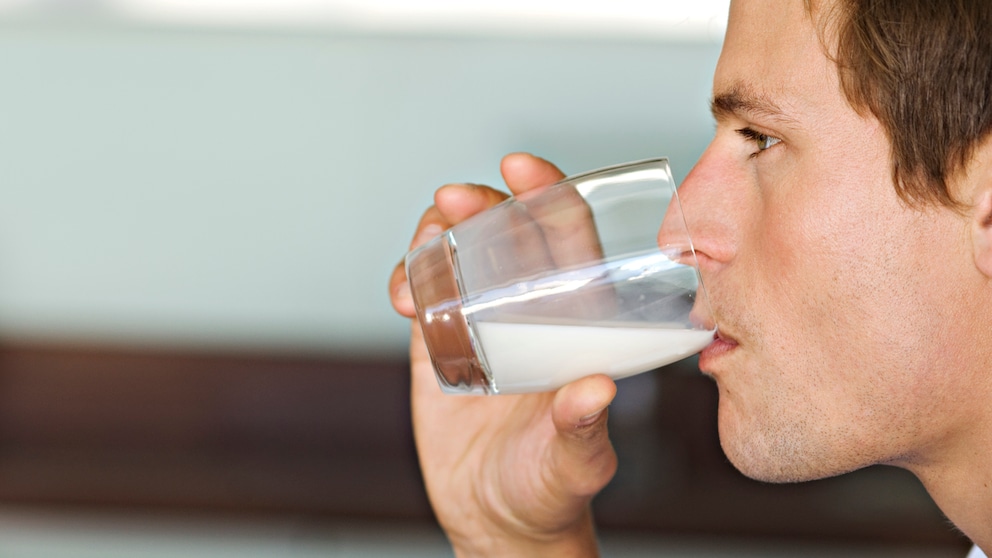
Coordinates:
708 200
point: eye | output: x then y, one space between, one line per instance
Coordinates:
761 141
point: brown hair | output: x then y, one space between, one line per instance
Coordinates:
923 68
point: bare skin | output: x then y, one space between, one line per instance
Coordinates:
854 327
509 475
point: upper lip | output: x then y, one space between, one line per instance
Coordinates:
722 344
720 335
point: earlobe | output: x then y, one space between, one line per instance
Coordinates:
982 224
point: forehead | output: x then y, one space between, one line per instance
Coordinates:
773 51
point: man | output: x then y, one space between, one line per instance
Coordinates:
843 220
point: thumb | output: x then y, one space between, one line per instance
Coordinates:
582 454
523 172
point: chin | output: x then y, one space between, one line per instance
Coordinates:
755 466
773 453
766 470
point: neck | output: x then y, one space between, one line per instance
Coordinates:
953 459
960 483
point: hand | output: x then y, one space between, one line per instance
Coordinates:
511 474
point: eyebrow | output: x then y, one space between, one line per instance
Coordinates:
742 101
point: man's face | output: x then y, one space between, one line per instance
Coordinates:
839 306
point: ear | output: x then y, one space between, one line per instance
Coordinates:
982 231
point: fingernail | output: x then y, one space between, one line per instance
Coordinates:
590 418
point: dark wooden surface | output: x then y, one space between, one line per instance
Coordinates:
330 438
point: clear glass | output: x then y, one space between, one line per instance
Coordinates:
563 282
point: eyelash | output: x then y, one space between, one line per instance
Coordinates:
763 141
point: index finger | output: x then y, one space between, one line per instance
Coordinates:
566 222
523 172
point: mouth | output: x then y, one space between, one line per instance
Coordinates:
722 345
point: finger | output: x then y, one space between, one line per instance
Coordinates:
460 201
399 292
457 202
567 226
453 203
565 220
523 172
582 453
432 223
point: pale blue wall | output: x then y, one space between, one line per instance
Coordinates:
255 189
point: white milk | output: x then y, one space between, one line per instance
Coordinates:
538 357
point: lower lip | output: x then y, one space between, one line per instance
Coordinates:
714 351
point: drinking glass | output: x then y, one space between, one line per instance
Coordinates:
563 282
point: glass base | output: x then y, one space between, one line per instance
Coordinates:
437 296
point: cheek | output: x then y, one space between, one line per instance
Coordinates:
785 261
849 282
818 272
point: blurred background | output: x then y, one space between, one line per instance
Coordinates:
200 204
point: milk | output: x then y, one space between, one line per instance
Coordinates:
525 357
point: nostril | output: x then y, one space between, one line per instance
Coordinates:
705 262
